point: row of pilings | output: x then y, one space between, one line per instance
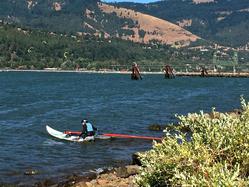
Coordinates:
170 73
136 75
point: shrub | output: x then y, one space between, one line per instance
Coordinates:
216 155
141 33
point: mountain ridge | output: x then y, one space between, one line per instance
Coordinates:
221 21
87 17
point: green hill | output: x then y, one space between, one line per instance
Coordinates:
66 34
57 15
89 17
222 21
24 48
34 49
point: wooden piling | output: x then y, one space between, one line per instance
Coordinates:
135 72
168 72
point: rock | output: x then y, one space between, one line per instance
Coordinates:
235 113
125 172
121 177
91 175
45 183
102 182
76 180
122 172
109 176
157 127
84 184
31 172
136 160
88 184
238 111
133 169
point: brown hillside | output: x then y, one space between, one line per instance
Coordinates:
155 28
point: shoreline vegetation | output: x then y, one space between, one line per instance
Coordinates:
24 49
109 71
215 155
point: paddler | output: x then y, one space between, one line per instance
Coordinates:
87 129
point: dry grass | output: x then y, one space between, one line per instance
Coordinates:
155 28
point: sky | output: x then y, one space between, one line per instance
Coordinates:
137 1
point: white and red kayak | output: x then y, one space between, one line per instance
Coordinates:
74 136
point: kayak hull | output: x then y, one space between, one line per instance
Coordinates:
72 137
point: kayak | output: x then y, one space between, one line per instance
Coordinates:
71 136
74 136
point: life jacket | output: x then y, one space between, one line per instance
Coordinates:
89 127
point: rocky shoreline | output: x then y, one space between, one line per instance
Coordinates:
123 176
111 177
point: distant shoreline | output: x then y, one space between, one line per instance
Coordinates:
180 74
74 71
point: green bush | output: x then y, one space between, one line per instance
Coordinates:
216 155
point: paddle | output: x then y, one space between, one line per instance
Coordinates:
132 136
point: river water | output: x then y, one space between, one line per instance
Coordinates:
112 102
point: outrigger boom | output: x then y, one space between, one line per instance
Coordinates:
118 135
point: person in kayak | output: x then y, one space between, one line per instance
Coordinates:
87 129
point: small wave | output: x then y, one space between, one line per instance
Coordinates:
52 143
188 94
6 111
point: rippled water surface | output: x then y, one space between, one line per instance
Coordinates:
112 102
